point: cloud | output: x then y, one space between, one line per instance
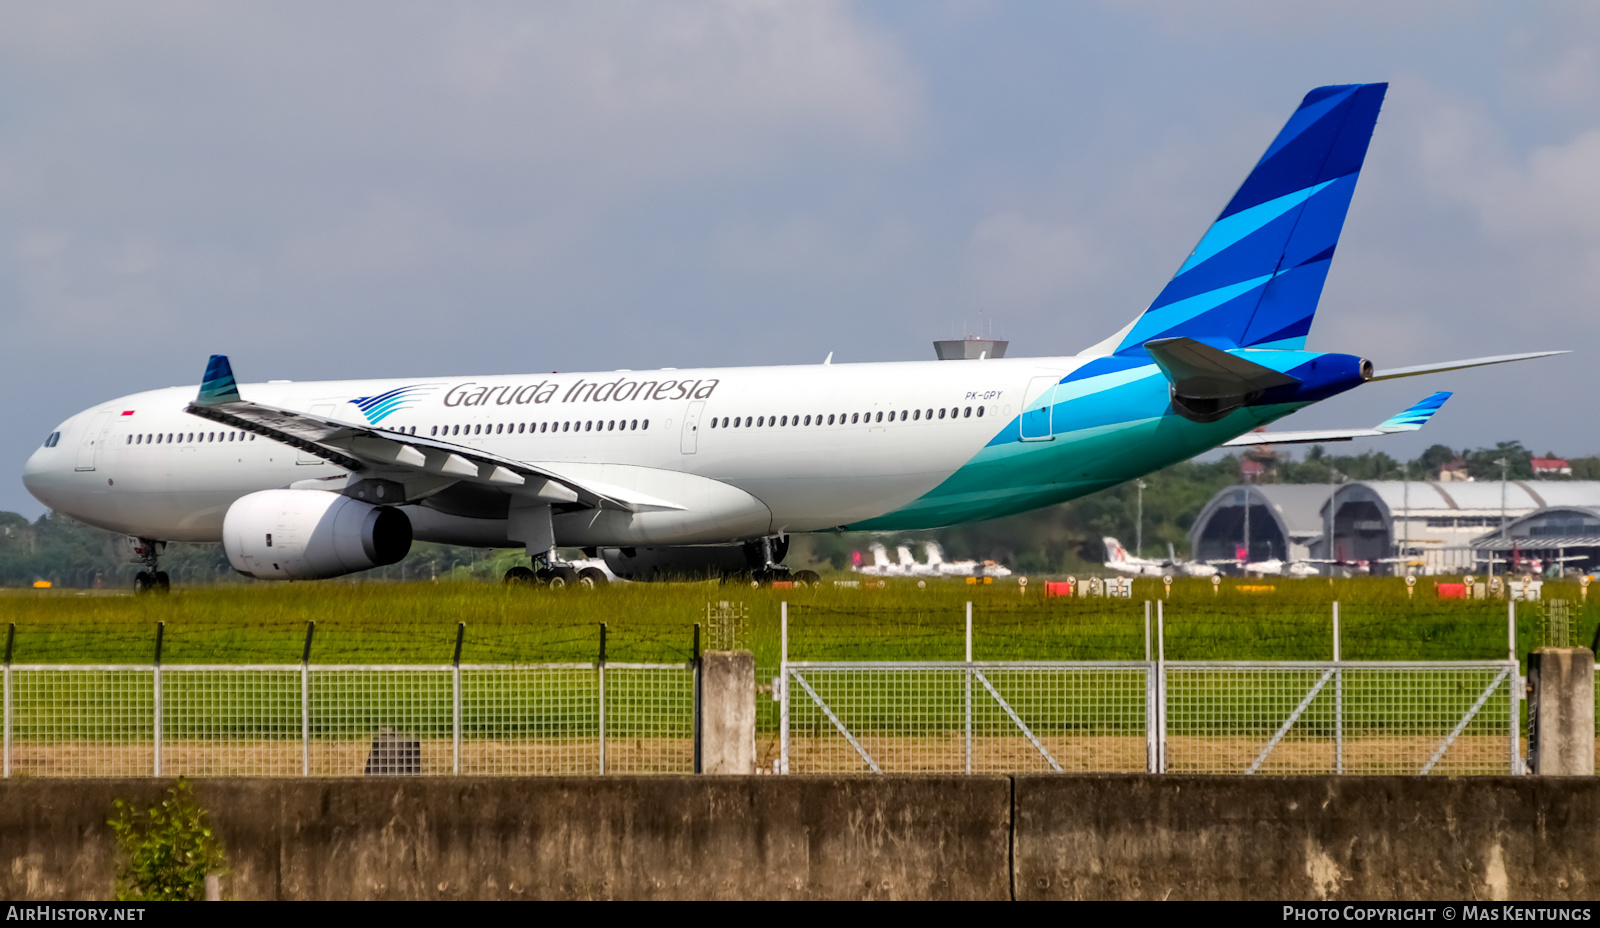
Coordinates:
1024 263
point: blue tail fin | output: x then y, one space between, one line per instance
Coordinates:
218 386
1254 279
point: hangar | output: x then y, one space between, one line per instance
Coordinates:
1446 527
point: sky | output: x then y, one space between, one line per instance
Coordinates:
395 189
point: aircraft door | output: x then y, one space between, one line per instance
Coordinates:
691 427
1036 422
306 457
92 437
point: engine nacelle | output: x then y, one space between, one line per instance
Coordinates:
311 535
690 562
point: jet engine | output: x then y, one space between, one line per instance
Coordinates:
311 535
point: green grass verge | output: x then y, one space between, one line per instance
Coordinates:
410 623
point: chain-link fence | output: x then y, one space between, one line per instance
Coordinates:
1219 717
332 721
1456 718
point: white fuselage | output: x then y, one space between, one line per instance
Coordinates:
825 445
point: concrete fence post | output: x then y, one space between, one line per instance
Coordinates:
728 712
1561 715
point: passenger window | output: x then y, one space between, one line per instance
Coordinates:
588 425
830 418
785 421
252 436
980 412
808 420
746 421
713 421
761 420
611 425
855 417
633 426
941 412
916 415
737 421
644 424
130 440
880 417
968 413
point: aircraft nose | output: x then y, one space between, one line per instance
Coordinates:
41 474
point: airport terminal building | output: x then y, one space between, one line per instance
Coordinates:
1447 527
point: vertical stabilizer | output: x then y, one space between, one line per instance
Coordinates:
218 386
1254 279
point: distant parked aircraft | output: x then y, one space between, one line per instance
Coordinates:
1118 559
936 565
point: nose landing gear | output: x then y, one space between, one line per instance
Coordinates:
152 579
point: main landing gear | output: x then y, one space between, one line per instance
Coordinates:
552 571
151 579
765 569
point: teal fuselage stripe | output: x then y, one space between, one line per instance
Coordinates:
1017 476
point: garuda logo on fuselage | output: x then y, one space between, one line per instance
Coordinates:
380 407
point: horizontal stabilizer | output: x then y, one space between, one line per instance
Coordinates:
1412 418
1200 371
1420 369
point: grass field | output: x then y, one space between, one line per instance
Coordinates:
405 623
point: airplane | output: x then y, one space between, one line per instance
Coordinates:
1522 564
881 566
1298 568
708 472
1118 559
939 567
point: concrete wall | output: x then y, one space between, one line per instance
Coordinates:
591 838
1311 838
1034 837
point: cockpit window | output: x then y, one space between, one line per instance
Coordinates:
53 440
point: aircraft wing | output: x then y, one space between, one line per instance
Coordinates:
380 452
1420 369
1407 420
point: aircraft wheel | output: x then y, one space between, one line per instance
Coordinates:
521 576
592 578
143 582
163 582
807 578
562 578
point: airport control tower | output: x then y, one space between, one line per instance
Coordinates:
971 348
